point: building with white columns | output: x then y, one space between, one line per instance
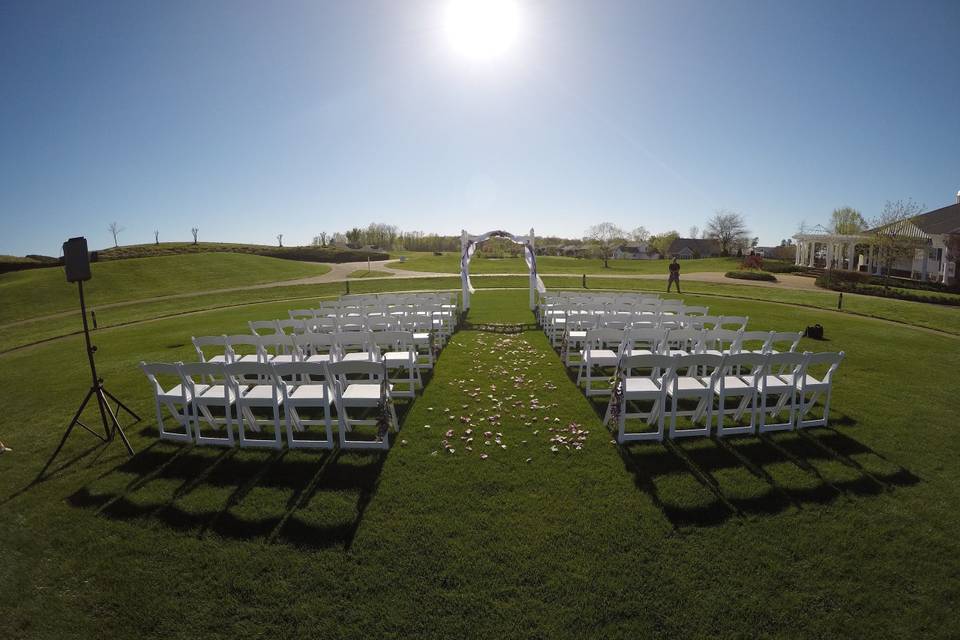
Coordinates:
933 239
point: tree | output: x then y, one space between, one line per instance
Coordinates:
640 234
280 239
729 230
115 229
754 242
605 237
847 221
156 236
195 231
354 235
663 241
323 238
694 231
893 236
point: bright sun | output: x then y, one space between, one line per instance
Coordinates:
482 30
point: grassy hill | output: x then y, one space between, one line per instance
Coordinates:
38 292
307 254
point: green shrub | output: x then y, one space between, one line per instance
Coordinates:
867 285
752 274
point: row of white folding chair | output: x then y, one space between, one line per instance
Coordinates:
441 321
397 349
764 386
237 389
604 348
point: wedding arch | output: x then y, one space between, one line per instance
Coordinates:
468 246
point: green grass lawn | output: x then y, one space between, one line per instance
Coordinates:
38 292
841 532
450 263
369 273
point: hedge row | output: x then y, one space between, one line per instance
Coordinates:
751 275
869 289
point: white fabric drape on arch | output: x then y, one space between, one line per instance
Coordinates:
529 257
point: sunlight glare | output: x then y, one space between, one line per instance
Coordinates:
482 30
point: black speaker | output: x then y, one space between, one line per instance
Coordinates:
76 259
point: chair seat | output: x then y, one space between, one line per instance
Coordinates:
308 392
397 356
215 394
247 358
808 381
687 383
773 382
641 385
283 357
259 394
577 335
318 357
216 359
734 383
601 356
362 393
176 393
630 351
362 356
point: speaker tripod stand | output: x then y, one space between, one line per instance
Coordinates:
108 415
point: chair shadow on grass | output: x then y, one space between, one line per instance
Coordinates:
311 499
700 482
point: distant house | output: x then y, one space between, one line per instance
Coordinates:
636 251
572 250
685 248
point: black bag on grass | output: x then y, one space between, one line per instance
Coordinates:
815 332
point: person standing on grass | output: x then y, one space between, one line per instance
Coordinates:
674 275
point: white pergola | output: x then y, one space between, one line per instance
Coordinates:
468 245
838 251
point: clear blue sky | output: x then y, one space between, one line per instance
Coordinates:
249 119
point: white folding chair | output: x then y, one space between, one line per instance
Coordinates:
305 387
175 398
399 353
783 370
783 341
316 347
278 348
288 327
646 387
755 342
355 346
265 393
810 387
263 327
221 344
720 341
740 380
600 353
368 392
244 348
681 342
205 399
694 379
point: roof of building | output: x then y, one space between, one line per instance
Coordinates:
696 245
637 247
939 221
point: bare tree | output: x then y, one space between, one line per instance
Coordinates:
892 229
156 236
323 238
194 231
729 229
280 239
605 236
694 231
847 221
115 229
640 234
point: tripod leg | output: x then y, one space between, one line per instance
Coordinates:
66 434
120 405
116 423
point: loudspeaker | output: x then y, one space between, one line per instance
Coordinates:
76 259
